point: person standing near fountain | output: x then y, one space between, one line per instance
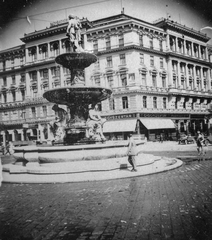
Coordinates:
132 152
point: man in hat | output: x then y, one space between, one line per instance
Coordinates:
132 152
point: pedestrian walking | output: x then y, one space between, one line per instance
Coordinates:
201 148
132 152
9 148
161 138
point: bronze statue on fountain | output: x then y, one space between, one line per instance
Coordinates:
83 123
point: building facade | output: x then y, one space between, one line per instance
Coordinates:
160 75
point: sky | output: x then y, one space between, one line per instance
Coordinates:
18 17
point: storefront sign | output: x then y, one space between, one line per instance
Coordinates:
168 115
122 116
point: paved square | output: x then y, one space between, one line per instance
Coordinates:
172 205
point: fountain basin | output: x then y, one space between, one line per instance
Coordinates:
77 95
62 154
76 60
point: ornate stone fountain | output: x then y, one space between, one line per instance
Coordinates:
76 160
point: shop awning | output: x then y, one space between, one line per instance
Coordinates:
155 123
120 126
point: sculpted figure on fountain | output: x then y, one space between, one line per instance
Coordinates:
74 33
59 124
95 124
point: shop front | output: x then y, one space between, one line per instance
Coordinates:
120 129
153 127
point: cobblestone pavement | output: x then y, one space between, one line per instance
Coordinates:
172 205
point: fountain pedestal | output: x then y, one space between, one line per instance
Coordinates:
77 97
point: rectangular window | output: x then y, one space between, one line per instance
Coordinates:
5 81
13 79
132 77
125 102
5 97
111 103
33 53
108 44
33 112
23 95
161 62
123 77
97 81
44 73
143 79
144 102
110 81
154 102
141 58
22 77
109 61
95 46
151 61
55 71
14 96
44 108
163 82
141 42
33 76
161 45
35 93
122 59
164 103
151 43
121 40
154 84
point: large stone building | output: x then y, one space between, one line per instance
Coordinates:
160 75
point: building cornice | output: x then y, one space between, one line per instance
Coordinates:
51 31
167 24
188 58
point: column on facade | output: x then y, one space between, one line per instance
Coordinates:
208 79
206 54
170 73
50 78
39 83
195 77
192 49
168 42
187 126
28 83
201 78
60 46
27 55
198 51
184 47
176 44
178 74
22 135
187 75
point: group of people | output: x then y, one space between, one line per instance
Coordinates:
8 148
